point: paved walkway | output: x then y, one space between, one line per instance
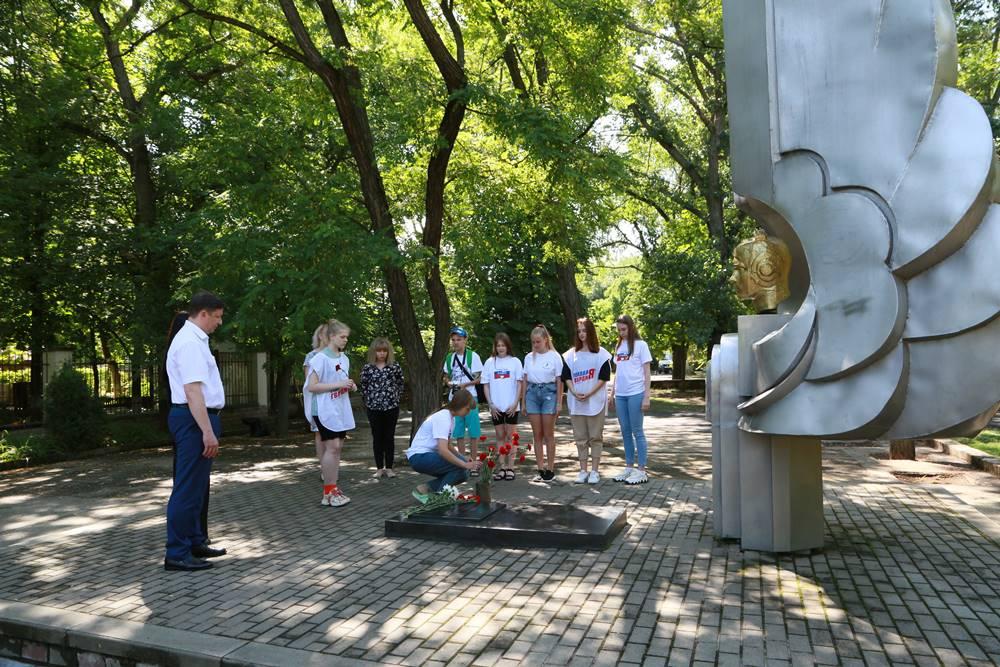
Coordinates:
910 573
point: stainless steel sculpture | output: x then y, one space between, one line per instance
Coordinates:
850 143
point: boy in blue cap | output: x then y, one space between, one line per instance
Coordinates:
462 368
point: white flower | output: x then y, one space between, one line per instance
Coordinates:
450 490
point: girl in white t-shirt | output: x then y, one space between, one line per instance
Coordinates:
330 382
501 380
542 398
587 370
631 391
430 452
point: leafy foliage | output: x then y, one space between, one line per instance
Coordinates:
74 417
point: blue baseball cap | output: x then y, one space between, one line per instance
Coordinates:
460 331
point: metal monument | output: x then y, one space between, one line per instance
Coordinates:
851 145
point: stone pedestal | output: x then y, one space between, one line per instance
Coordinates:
767 489
781 499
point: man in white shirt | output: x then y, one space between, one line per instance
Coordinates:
196 397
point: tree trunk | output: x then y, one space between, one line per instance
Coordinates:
903 450
678 367
282 397
39 334
569 298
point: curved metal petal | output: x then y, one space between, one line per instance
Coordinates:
862 405
962 291
956 151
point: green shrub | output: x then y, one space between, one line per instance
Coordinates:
74 417
32 448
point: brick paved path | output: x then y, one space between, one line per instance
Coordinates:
910 574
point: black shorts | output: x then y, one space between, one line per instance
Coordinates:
327 434
504 418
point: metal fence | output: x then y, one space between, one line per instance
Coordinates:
123 387
15 380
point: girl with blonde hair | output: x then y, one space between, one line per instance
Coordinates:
330 381
382 388
542 397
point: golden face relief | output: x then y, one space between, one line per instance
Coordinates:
760 271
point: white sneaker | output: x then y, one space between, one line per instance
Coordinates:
637 477
593 477
338 499
581 477
623 475
326 499
539 477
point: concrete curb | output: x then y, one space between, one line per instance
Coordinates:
978 459
148 644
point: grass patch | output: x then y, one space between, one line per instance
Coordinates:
988 441
133 433
667 401
43 448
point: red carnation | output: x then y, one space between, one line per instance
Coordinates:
482 457
482 438
522 458
491 464
516 437
492 448
476 498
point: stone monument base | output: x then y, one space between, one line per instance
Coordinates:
524 526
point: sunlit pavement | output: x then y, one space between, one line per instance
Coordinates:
910 573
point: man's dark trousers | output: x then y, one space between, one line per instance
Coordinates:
191 479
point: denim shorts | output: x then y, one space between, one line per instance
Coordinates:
540 399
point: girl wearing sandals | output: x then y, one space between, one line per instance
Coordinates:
542 398
631 391
330 382
430 452
501 381
587 370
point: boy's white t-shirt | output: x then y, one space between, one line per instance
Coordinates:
458 376
584 371
543 368
333 407
436 427
503 375
629 377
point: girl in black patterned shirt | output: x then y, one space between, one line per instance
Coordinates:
382 387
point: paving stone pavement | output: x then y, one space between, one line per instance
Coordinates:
909 574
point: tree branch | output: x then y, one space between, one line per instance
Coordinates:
253 30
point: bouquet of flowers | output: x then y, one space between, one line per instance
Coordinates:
493 453
446 497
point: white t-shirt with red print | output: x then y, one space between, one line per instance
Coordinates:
503 375
333 407
629 376
585 369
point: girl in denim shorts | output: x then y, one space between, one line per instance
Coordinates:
542 399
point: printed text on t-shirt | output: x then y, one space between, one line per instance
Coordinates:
584 376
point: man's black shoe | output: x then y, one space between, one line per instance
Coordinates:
207 552
188 564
